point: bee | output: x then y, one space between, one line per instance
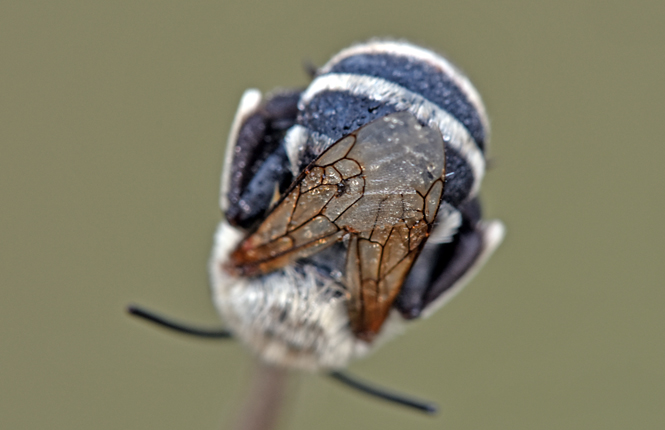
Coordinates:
350 206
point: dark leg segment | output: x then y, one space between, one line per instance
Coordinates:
273 174
439 268
259 137
467 251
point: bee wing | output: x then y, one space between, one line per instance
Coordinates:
302 222
381 185
376 268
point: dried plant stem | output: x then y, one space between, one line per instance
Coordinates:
264 401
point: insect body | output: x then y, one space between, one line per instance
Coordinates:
350 205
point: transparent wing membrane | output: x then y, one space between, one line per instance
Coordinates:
379 188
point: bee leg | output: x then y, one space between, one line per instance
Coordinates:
176 326
257 196
258 138
467 251
440 268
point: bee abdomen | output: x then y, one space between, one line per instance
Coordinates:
401 65
378 78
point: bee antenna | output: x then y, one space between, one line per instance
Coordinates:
384 394
177 326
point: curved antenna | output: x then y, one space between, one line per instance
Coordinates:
177 326
344 378
382 393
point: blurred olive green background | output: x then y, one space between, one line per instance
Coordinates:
113 120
